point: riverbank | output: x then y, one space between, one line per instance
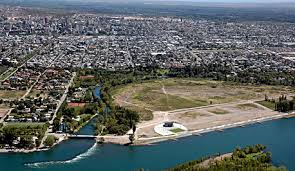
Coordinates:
199 132
123 140
61 138
73 155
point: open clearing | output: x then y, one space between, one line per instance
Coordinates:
175 93
218 111
196 104
11 94
204 117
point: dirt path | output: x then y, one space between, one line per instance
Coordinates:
62 99
165 92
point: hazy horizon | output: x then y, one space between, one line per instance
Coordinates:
203 1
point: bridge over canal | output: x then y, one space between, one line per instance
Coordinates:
73 136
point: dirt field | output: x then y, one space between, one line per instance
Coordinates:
11 94
205 117
70 105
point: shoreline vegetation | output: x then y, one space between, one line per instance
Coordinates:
248 158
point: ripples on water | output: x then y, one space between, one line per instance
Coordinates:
88 153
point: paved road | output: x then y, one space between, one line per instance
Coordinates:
63 98
8 112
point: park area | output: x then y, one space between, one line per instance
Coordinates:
173 94
195 103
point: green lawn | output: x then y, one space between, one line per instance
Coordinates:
160 101
176 130
268 104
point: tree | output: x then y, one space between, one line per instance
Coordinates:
101 140
50 140
26 141
134 128
131 138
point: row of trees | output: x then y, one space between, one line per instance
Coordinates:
285 105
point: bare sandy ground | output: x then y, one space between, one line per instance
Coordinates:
115 139
202 117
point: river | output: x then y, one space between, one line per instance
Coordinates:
77 155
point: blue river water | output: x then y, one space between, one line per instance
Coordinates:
77 155
96 92
89 128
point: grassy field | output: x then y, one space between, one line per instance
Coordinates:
11 94
268 104
163 102
24 124
176 93
176 130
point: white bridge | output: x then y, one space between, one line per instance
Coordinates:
82 136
